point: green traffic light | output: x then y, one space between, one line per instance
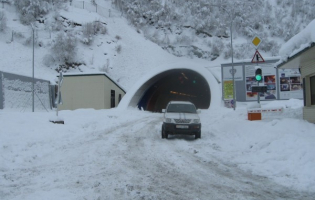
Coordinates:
258 77
258 74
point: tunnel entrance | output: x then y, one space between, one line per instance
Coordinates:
176 85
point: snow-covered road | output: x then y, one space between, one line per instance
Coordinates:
172 169
122 156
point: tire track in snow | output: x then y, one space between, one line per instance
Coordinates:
131 161
170 169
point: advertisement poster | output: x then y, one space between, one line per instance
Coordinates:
250 81
269 80
228 90
291 85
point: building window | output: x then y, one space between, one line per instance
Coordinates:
119 98
112 98
312 86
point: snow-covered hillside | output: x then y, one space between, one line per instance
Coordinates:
122 28
135 57
119 153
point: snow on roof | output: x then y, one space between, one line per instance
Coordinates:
298 42
180 102
241 62
85 74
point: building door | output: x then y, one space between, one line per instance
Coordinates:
119 98
312 86
112 98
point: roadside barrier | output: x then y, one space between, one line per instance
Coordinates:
255 113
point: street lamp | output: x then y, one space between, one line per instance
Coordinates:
233 71
33 70
231 15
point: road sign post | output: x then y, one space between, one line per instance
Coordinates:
257 58
59 100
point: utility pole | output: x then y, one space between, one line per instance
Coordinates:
233 71
231 15
33 69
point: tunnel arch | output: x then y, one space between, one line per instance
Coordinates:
153 91
176 85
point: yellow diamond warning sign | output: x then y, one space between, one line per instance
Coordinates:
256 41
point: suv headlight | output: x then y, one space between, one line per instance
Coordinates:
196 121
168 120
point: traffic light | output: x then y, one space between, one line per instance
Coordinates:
258 74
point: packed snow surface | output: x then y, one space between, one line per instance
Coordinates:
119 154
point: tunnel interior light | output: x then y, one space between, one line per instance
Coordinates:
182 94
184 76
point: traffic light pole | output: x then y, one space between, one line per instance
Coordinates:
258 96
258 71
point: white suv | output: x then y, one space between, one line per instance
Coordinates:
181 117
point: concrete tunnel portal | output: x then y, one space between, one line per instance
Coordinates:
175 85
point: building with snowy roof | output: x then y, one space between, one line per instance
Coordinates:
96 90
299 51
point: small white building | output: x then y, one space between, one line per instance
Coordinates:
299 52
95 90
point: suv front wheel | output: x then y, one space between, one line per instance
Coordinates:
198 135
164 134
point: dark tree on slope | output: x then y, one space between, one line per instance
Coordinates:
64 48
282 19
3 21
30 10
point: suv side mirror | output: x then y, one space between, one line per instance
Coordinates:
163 110
198 111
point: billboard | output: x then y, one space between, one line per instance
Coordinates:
268 79
281 84
290 83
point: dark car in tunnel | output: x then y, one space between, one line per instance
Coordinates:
181 118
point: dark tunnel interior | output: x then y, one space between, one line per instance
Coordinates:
176 85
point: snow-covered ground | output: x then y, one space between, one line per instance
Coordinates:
119 153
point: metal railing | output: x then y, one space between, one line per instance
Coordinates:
105 12
16 92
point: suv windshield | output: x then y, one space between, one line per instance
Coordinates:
183 108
